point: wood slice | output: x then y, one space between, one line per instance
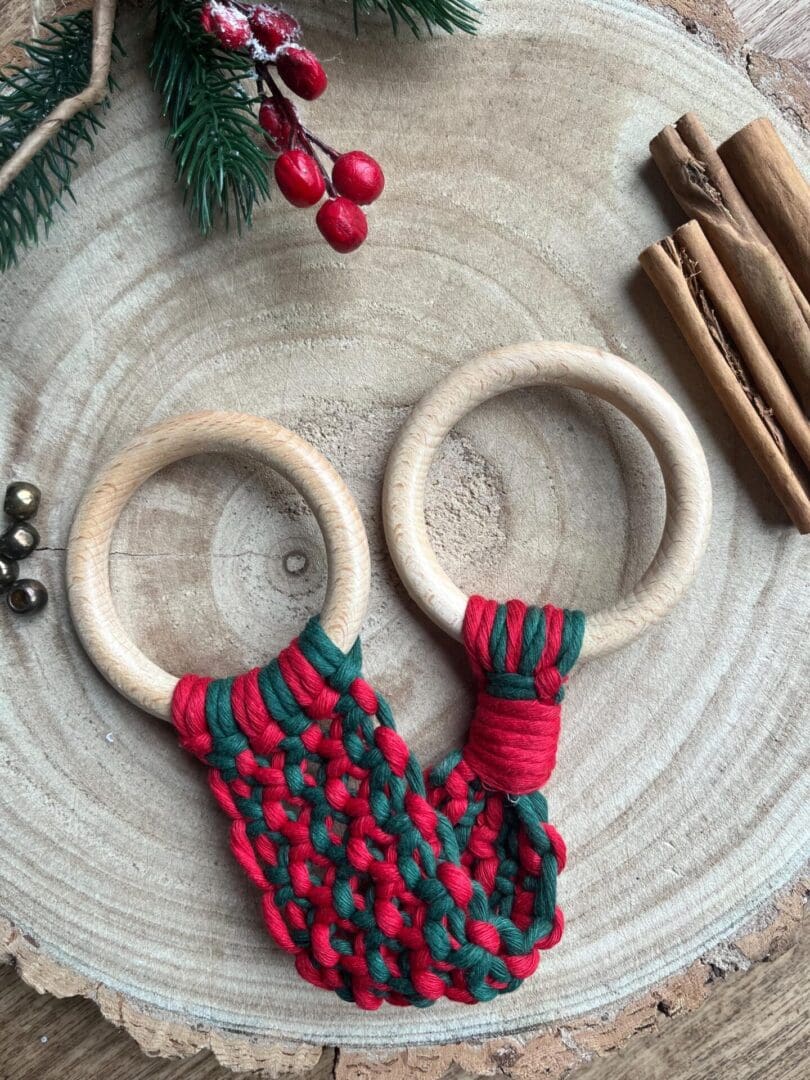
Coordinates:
519 195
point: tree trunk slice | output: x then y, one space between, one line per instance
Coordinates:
520 193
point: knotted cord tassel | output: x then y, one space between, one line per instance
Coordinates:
385 884
520 657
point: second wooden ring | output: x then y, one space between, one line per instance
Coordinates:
640 398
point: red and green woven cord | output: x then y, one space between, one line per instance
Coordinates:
388 884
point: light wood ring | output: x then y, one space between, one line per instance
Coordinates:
652 410
110 647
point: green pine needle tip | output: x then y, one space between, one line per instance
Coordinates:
213 131
447 15
60 68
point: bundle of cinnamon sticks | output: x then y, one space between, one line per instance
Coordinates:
736 279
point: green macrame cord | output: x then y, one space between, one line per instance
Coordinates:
385 883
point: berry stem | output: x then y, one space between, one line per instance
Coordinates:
327 149
300 133
306 167
327 179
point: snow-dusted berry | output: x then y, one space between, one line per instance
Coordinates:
273 28
207 19
230 26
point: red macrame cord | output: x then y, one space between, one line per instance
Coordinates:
387 884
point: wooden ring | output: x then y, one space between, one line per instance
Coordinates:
652 410
91 604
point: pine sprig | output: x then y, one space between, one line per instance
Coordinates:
61 64
213 127
447 15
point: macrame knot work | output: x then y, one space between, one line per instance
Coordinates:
520 657
385 883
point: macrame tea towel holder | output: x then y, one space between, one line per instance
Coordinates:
384 882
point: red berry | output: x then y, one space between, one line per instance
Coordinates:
207 19
358 176
302 72
276 124
231 26
272 27
343 224
299 178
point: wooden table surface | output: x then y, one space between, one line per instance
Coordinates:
755 1025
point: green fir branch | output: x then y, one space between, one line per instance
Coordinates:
60 69
213 127
447 15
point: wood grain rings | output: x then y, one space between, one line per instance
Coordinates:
643 401
110 647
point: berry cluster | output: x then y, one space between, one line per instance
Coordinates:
271 38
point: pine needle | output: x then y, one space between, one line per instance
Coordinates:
60 69
447 15
213 128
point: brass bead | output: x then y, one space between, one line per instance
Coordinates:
22 500
27 596
9 571
19 540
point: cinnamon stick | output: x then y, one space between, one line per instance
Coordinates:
702 185
678 280
775 190
697 140
777 402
